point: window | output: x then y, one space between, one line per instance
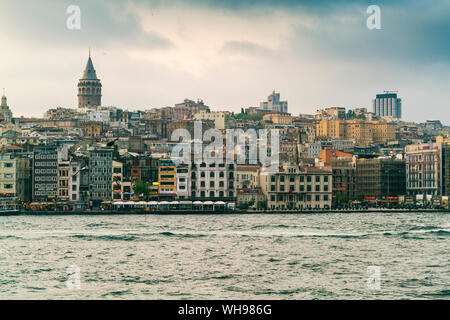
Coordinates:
8 164
211 174
317 178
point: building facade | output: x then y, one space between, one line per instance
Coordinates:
379 178
424 169
387 105
100 175
45 175
274 103
297 188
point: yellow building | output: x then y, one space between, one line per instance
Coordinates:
278 118
167 178
357 130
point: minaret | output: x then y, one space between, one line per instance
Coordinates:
89 87
5 112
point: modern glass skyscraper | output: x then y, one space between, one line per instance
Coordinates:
387 105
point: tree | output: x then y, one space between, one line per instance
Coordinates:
141 188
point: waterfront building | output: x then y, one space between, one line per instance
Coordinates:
213 181
63 180
45 175
296 187
274 103
344 180
89 87
446 162
167 178
379 178
8 171
251 198
247 176
424 169
387 104
183 186
100 175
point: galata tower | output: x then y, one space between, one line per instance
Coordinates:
89 87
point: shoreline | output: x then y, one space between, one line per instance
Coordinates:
208 212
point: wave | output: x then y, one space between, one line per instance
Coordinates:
105 237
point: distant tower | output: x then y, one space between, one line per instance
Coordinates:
5 112
89 87
387 104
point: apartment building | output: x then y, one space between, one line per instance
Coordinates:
100 175
379 178
63 180
294 187
45 175
167 178
424 169
213 181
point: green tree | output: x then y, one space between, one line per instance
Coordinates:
141 189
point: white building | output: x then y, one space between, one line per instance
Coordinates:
273 103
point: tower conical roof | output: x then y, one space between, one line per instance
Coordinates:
89 71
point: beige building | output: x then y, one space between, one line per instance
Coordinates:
219 118
278 118
247 176
8 168
63 180
294 187
357 130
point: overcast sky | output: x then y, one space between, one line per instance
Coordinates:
231 54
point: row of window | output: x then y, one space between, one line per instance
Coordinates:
45 164
45 178
302 188
46 156
317 198
44 193
212 184
45 171
282 178
211 194
7 186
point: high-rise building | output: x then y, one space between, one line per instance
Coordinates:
387 104
89 87
273 103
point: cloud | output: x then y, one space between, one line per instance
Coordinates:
231 53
